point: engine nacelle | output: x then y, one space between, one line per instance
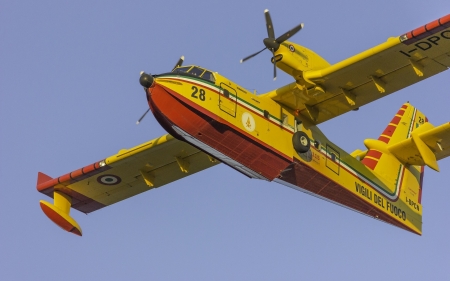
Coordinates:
295 59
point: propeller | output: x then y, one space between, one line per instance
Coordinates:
179 63
273 43
142 117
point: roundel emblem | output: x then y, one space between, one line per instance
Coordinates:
109 179
248 121
291 48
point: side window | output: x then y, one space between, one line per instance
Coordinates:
209 76
284 119
196 71
226 93
287 119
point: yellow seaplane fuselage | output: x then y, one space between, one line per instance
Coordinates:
264 140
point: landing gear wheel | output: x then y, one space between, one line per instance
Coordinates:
301 142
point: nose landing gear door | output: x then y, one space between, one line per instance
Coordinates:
228 99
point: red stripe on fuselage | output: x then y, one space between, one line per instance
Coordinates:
251 109
171 108
213 116
299 174
223 121
185 111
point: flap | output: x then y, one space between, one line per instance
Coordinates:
128 173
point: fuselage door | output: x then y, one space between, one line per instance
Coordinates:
228 99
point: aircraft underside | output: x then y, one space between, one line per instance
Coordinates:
223 141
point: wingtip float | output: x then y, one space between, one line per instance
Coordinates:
60 217
274 136
59 211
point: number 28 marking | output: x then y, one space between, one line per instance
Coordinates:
201 95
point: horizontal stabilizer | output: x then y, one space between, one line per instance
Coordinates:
359 154
426 146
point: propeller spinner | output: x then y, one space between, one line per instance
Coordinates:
273 43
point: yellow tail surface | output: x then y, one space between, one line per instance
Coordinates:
399 155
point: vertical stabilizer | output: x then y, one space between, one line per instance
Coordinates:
401 127
402 180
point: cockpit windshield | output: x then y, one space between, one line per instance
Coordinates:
182 69
208 76
196 71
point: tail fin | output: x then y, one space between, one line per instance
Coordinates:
383 162
399 155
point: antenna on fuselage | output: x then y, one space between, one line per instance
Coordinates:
273 44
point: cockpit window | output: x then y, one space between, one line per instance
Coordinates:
182 69
209 76
196 71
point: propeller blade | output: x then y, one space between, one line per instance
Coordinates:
142 117
251 56
274 67
289 34
179 62
269 25
273 44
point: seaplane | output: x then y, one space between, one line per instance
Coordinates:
275 136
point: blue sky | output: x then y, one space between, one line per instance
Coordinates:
69 96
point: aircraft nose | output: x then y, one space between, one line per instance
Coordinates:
146 80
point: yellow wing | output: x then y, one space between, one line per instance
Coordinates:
399 62
125 174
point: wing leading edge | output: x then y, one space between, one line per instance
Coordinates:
120 176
